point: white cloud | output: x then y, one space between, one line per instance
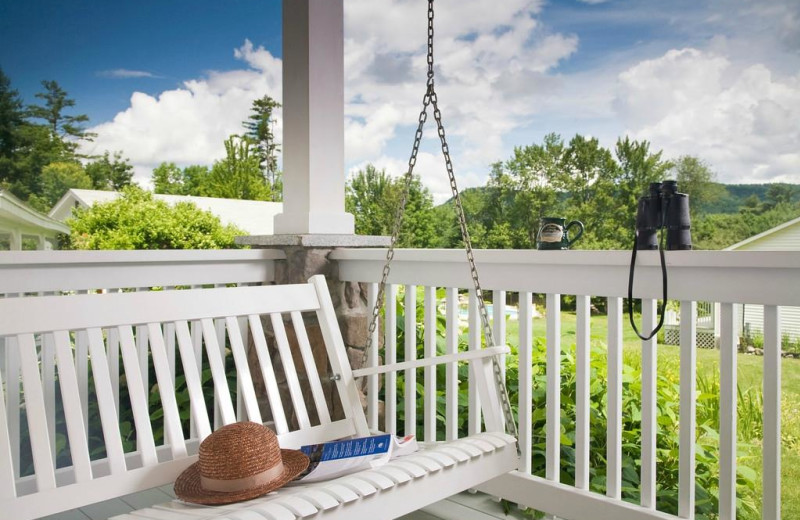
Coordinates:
188 125
126 73
742 119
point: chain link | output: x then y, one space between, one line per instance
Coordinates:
431 99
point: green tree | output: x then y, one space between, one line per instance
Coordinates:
168 178
137 221
110 172
57 178
638 167
373 197
68 128
12 118
238 175
259 126
696 179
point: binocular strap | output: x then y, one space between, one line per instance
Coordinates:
630 291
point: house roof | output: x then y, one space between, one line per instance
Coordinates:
253 216
765 234
28 219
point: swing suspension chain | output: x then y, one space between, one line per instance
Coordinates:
431 99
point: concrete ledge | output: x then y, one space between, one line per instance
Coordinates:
316 240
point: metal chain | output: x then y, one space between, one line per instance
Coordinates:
431 98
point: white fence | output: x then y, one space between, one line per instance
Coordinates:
770 279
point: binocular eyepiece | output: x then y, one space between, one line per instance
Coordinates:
663 207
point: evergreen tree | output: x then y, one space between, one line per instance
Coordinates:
68 128
110 172
259 129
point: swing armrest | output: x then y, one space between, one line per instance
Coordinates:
431 361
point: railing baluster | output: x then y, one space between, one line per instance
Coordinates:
553 442
429 412
372 361
7 489
109 417
614 412
390 348
499 323
410 354
474 338
82 367
649 396
138 395
582 353
525 380
451 369
688 362
771 508
113 362
727 414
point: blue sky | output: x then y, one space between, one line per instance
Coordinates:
168 81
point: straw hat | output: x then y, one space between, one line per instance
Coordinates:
238 462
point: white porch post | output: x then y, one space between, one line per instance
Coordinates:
313 125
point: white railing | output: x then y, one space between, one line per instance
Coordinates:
771 279
32 273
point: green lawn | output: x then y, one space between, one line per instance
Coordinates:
750 370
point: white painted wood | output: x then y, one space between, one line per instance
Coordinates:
48 364
196 331
436 360
727 413
194 384
429 412
390 349
474 340
311 368
337 355
219 328
268 374
105 402
246 391
649 408
222 396
37 420
290 371
13 394
313 121
499 323
372 361
410 346
490 400
7 490
525 404
553 435
582 383
76 432
44 271
771 507
614 404
688 419
173 433
82 366
762 277
113 362
138 395
451 369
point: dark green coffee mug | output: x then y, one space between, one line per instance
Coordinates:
553 233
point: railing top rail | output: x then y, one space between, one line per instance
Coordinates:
45 271
761 277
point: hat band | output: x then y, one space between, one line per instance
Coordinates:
240 484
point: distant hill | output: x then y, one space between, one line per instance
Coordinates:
734 196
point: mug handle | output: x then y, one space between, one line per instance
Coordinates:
575 223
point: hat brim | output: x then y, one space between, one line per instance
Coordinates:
188 488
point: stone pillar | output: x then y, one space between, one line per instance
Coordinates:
306 256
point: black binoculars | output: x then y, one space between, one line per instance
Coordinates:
663 207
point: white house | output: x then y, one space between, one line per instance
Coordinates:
22 227
785 237
253 216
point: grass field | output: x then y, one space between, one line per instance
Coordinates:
750 371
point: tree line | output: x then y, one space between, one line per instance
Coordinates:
577 179
40 158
